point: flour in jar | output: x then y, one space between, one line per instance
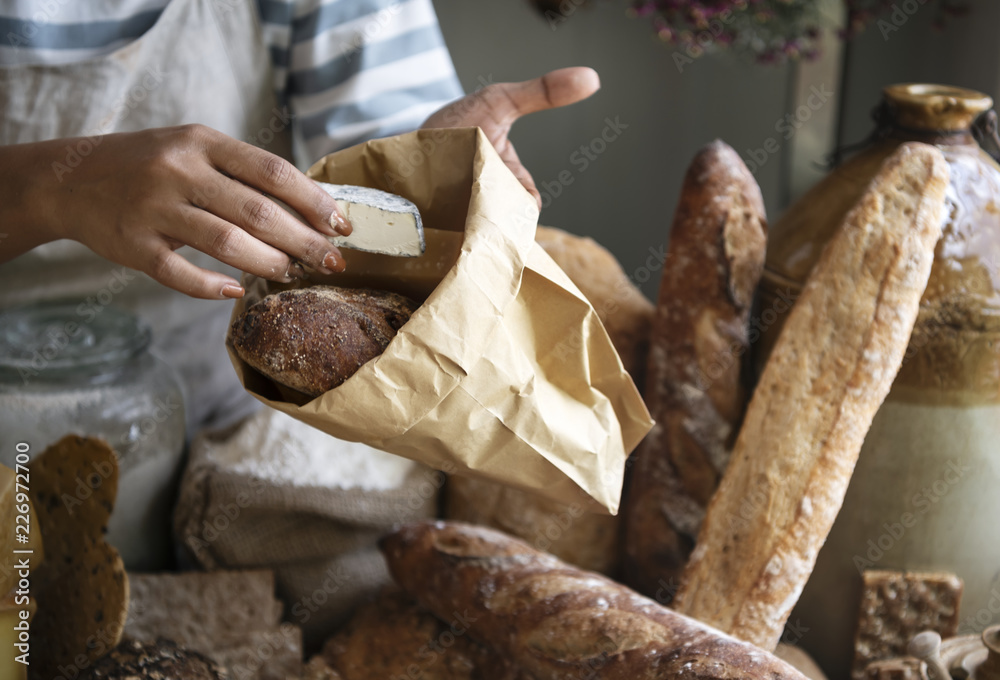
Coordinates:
275 447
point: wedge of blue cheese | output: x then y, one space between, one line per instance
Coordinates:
383 222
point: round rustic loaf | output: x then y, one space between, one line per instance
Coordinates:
313 339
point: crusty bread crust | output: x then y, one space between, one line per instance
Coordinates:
555 621
830 370
160 660
313 339
693 389
392 637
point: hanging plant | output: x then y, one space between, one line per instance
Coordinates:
861 13
768 31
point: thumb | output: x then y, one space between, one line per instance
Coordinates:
557 88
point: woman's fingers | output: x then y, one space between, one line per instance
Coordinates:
254 233
510 101
274 175
512 161
173 271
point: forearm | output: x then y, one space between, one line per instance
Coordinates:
27 202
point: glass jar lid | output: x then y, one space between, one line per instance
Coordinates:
68 336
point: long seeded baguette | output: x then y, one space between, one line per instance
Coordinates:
693 389
832 366
558 622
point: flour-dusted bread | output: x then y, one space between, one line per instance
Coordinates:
392 637
829 372
313 339
557 622
693 388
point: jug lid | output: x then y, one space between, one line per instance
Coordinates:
924 106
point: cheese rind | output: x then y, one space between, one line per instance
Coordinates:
383 222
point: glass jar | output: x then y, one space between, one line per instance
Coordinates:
925 494
84 369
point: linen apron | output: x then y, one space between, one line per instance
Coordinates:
203 61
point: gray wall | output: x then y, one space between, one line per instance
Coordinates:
625 198
965 53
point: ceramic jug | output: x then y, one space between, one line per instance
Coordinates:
925 495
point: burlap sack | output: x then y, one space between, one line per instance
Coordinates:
320 540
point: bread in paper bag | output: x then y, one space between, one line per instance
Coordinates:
505 371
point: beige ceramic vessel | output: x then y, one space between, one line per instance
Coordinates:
926 491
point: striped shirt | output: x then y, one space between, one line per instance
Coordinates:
348 70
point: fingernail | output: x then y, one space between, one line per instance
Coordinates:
232 291
334 263
340 224
295 272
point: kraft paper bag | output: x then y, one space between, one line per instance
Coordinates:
505 371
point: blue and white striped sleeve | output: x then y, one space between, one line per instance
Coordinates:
354 70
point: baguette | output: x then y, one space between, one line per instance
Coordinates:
693 388
832 366
391 637
555 621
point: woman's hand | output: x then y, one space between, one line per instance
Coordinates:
495 108
137 197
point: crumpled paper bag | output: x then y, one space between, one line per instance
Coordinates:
505 371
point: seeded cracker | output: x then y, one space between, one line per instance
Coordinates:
81 588
897 605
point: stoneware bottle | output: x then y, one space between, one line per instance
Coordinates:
925 494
